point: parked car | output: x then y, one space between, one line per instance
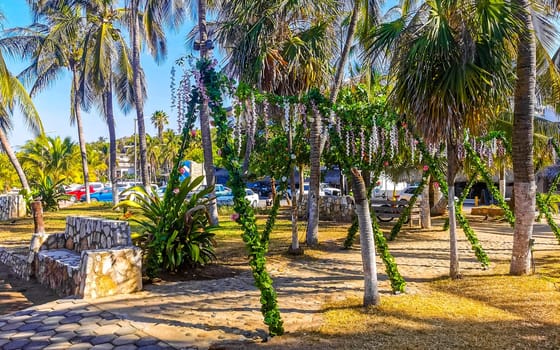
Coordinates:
306 190
97 186
329 191
105 195
76 194
408 192
222 190
250 195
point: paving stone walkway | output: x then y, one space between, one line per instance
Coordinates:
225 313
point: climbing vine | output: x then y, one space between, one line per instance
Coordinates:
469 232
364 136
215 84
483 171
408 208
545 209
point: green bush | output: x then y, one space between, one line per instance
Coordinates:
48 192
174 231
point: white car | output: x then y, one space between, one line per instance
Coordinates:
408 192
326 190
251 196
306 190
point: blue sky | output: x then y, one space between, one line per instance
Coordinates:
53 104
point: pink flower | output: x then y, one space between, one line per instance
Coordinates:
176 190
436 184
193 133
385 163
415 142
234 216
425 168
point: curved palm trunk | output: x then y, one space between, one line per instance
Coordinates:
13 159
108 101
204 120
81 137
522 145
345 51
318 144
138 97
371 292
452 168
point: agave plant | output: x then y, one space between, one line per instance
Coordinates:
174 233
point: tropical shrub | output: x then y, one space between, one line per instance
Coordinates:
174 234
48 192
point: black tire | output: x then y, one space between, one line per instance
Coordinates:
381 217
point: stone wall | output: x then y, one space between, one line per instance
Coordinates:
12 206
109 272
16 262
83 233
333 208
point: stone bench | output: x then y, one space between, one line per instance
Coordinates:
92 258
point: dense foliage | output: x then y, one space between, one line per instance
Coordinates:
175 232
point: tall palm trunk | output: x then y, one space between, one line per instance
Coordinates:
367 246
452 168
425 206
317 147
522 145
138 97
312 234
204 119
294 247
81 138
108 104
13 159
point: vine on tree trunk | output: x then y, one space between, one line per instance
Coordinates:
408 208
257 243
481 168
479 252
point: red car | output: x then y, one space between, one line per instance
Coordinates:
76 195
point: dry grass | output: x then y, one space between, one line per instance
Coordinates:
489 310
478 312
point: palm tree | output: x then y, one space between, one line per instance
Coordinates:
276 53
160 120
14 93
149 22
524 188
50 156
205 48
106 68
54 46
450 67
